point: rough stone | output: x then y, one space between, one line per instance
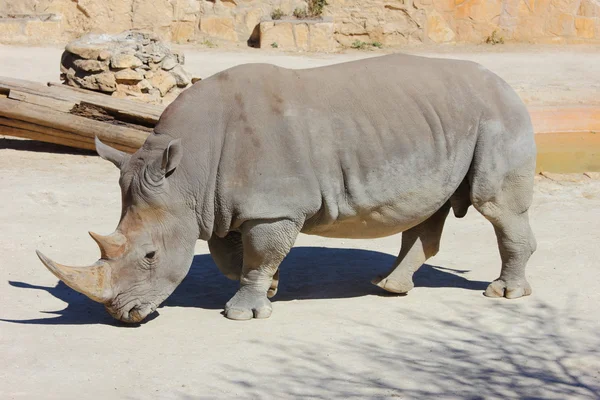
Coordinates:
128 76
91 65
106 82
218 27
131 66
125 61
169 63
182 78
104 55
163 81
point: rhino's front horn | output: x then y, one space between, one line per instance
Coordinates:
93 281
111 246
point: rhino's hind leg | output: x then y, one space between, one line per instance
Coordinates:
265 243
418 244
507 211
505 203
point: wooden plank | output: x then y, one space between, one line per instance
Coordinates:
71 123
55 104
69 137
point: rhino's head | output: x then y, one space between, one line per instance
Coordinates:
151 250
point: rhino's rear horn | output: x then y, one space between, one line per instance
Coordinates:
93 281
111 246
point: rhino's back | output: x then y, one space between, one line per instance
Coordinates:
366 148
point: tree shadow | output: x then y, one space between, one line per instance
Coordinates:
526 355
41 147
306 273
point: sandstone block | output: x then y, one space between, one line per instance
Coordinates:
153 14
589 8
564 6
281 33
186 10
437 28
584 27
10 30
252 18
38 31
321 36
301 36
530 29
183 31
218 27
562 25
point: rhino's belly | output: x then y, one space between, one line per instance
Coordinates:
368 225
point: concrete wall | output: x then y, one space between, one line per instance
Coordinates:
391 22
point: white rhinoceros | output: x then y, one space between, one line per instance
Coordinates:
256 154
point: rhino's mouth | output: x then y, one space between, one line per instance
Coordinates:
133 313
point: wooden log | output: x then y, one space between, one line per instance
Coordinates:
108 102
46 117
42 137
55 104
57 136
146 114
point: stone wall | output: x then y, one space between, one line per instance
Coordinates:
390 22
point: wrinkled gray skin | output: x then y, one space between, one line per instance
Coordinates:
366 149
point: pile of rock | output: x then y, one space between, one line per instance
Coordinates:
131 64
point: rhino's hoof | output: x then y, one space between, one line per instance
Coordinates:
247 305
393 285
272 292
510 290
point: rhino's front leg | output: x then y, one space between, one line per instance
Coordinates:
265 243
228 255
227 252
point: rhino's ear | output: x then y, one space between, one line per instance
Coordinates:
172 156
113 155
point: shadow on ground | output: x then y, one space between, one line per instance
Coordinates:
41 147
306 273
509 352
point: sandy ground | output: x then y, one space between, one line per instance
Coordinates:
332 334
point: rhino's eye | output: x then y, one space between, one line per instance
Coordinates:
150 255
